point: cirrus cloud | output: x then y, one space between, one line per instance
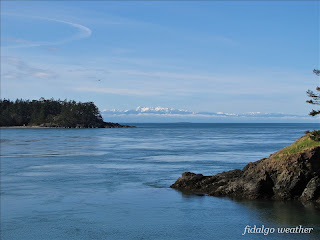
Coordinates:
82 32
16 68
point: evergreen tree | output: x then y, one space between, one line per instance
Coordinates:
315 97
51 113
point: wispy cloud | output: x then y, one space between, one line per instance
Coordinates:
118 91
19 69
179 82
168 75
82 32
145 91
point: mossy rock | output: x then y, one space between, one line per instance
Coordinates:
291 173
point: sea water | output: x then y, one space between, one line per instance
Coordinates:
114 183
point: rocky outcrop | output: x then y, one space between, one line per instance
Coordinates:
291 173
116 125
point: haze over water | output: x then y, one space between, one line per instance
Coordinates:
114 183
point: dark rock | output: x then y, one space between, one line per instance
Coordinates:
282 177
115 125
312 190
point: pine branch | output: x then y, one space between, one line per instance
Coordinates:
316 71
313 112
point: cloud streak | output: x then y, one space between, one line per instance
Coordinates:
167 75
118 91
20 69
83 32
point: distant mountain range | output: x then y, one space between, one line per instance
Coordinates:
164 114
149 110
171 112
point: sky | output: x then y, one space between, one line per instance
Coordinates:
233 57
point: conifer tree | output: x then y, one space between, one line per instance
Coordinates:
315 97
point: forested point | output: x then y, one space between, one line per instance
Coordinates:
52 113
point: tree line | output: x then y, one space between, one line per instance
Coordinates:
50 113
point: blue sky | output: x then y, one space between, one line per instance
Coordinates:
211 56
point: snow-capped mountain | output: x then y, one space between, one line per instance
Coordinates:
149 110
170 113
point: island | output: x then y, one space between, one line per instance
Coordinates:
293 173
50 113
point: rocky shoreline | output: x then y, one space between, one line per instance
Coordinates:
293 173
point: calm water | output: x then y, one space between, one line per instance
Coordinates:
114 183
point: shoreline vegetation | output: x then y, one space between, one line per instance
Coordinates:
50 113
292 173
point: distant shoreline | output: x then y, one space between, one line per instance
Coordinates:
41 127
30 127
50 113
24 127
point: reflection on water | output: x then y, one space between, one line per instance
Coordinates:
114 183
287 213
